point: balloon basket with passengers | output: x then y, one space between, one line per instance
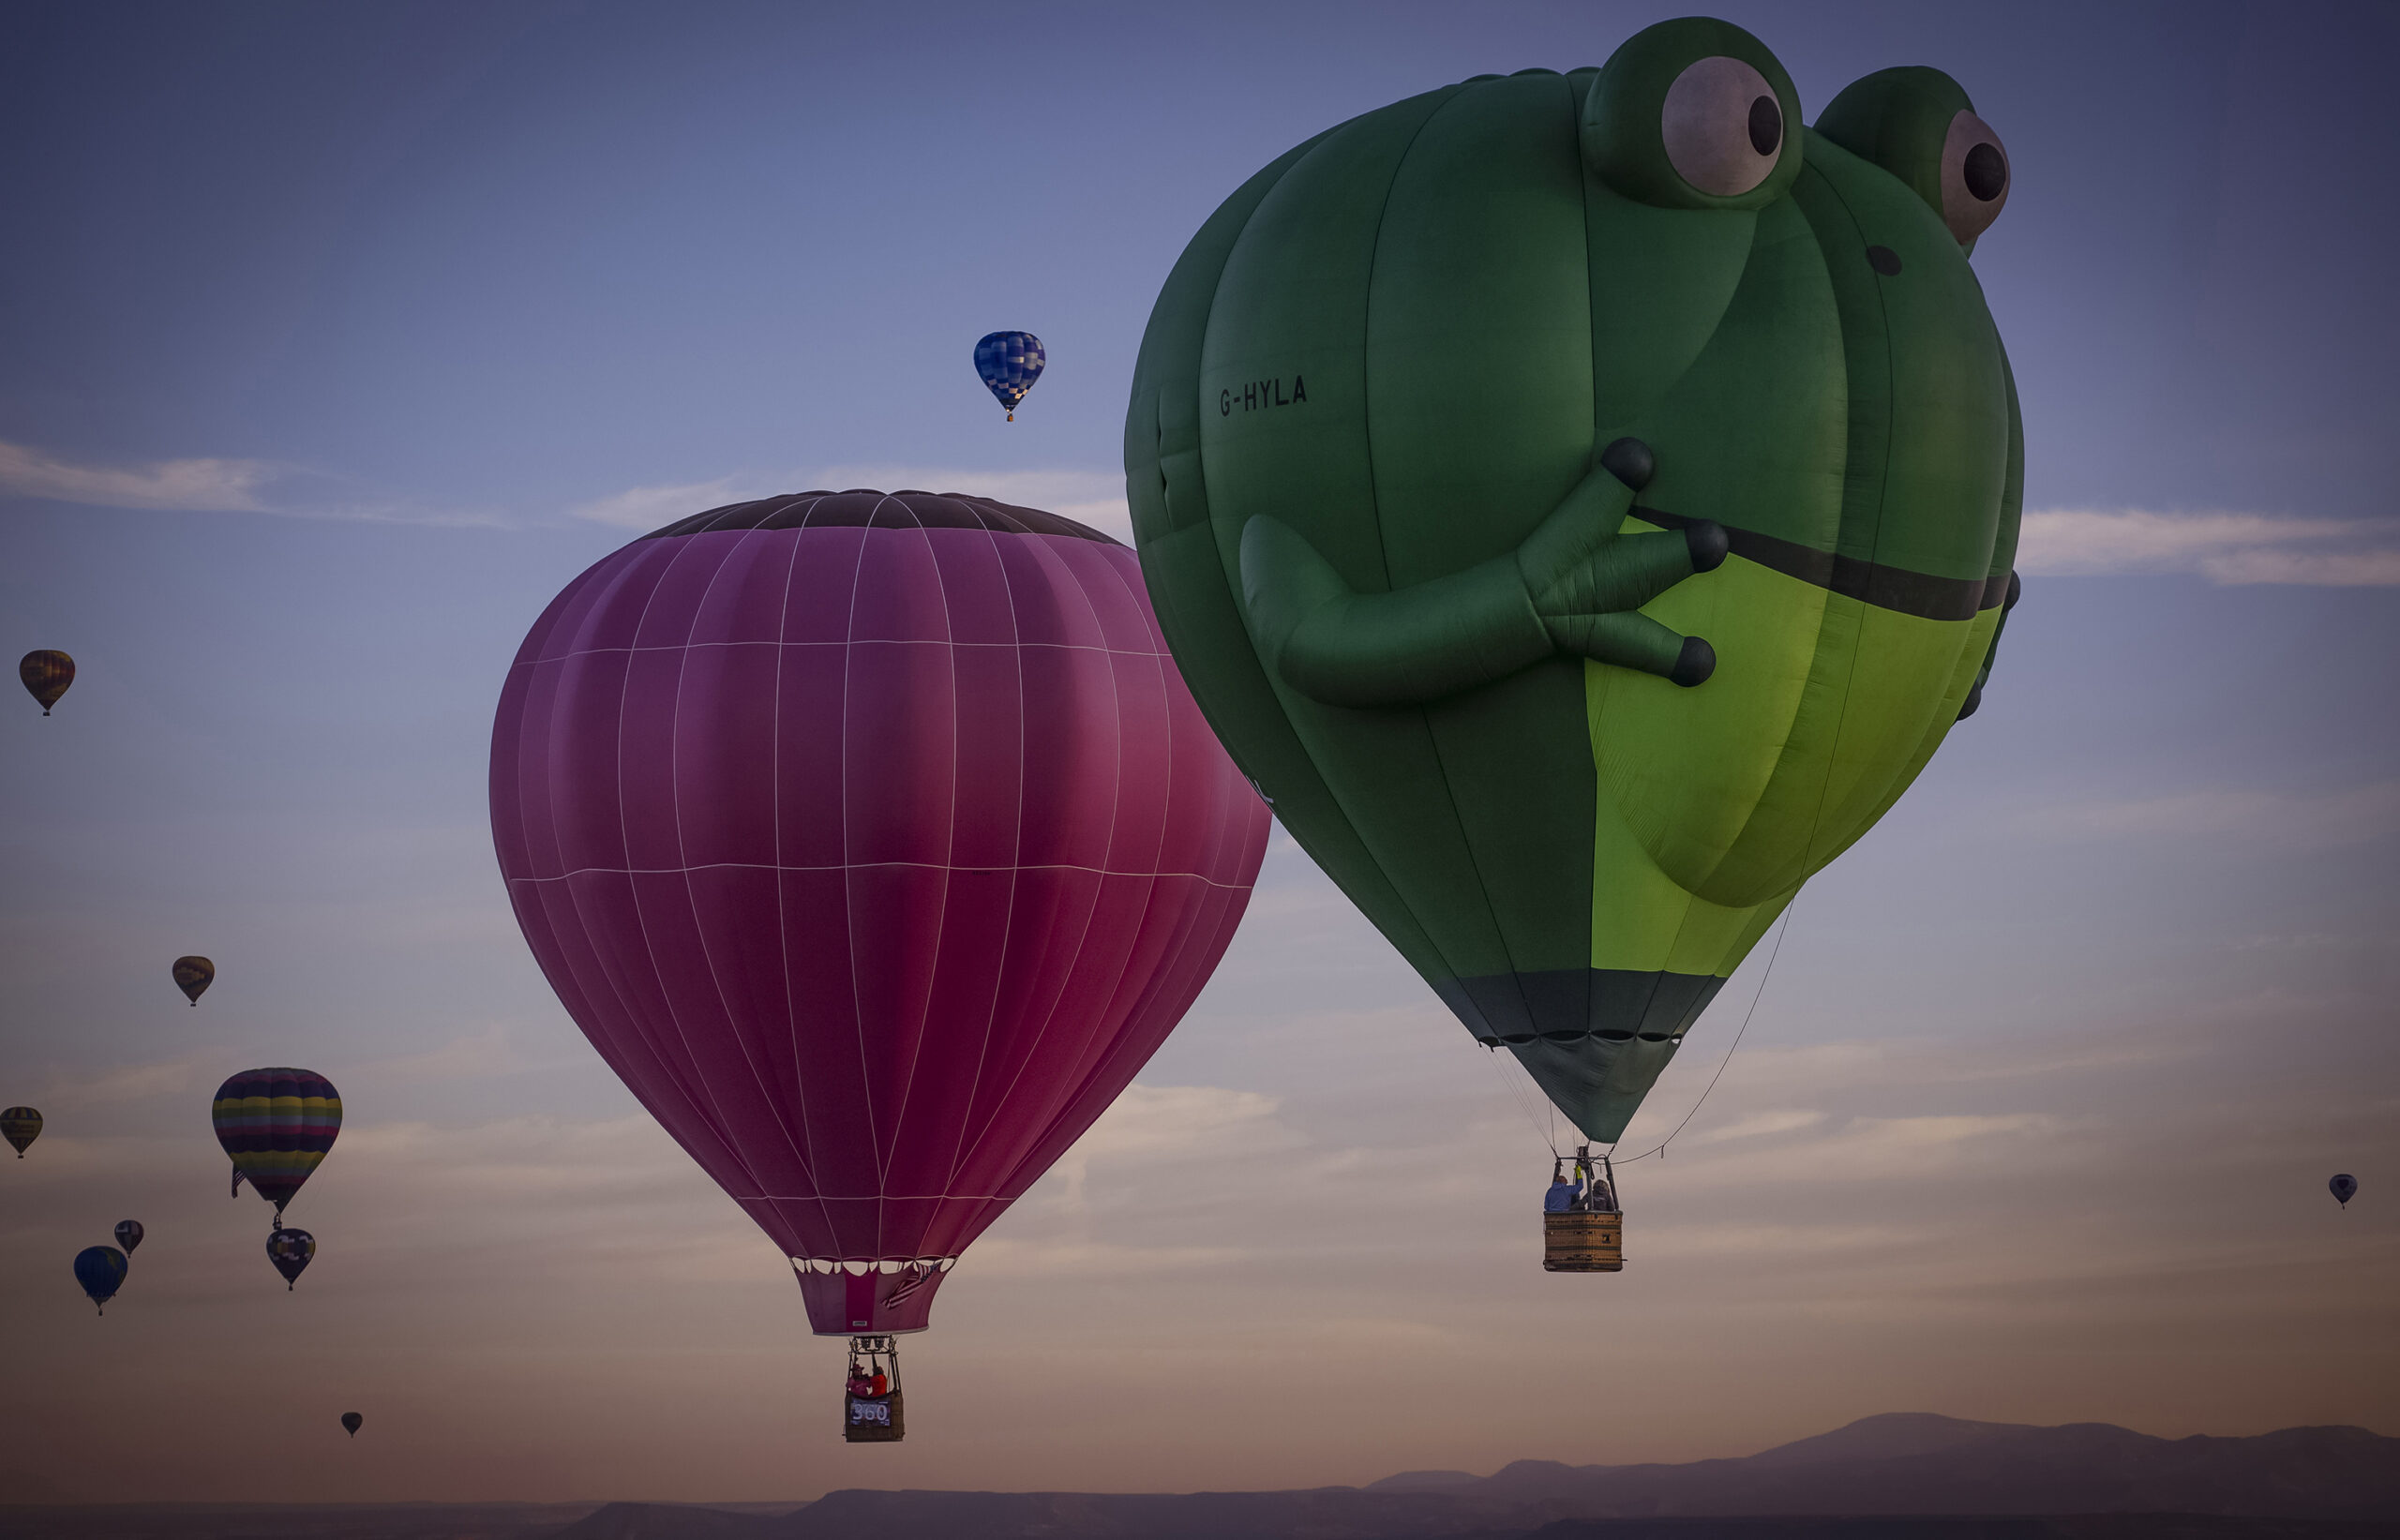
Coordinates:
1582 1229
870 1403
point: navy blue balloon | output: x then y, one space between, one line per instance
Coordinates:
290 1250
100 1269
1010 363
2344 1186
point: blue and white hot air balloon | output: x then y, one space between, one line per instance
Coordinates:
1010 363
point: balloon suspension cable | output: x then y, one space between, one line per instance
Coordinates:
1661 1149
1516 1094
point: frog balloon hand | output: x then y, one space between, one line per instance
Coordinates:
1587 581
1572 586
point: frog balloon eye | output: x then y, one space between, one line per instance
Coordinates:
1722 126
1975 177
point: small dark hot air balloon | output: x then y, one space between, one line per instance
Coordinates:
352 1420
2343 1188
21 1126
234 1187
128 1234
277 1124
1010 363
290 1250
47 674
100 1269
194 974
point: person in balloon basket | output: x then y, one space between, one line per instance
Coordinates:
861 1385
1563 1195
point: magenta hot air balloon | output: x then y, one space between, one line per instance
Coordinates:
876 843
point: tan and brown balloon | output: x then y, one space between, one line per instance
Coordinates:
194 974
46 675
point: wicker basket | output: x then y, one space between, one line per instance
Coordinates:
872 1419
1583 1243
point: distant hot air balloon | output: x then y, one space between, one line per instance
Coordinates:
234 1187
2344 1186
875 843
353 1421
194 974
277 1124
20 1125
128 1234
100 1269
1010 363
290 1250
46 675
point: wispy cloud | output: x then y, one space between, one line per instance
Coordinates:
1096 498
2222 547
2310 821
649 507
214 485
205 486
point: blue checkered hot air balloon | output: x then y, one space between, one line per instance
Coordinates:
1010 363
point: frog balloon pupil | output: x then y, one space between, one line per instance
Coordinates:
1767 125
1987 173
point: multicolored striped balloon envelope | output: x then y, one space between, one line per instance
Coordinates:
277 1124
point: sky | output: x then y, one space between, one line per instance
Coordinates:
335 340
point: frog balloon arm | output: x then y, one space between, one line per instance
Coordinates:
1983 676
1572 586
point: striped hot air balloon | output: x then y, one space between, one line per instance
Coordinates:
21 1126
277 1124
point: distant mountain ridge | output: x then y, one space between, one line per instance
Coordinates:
1896 1476
1902 1477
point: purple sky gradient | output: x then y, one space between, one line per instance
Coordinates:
333 340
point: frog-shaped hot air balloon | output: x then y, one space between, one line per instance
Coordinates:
1584 502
